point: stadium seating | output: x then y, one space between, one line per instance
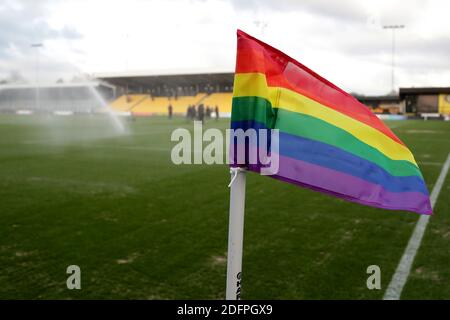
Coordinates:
151 106
127 102
222 100
444 104
146 105
181 103
155 105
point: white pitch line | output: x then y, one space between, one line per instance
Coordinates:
398 281
424 163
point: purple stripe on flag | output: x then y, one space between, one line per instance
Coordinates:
346 186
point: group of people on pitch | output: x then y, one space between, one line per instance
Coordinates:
199 113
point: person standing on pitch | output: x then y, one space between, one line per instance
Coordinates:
201 112
217 112
188 112
194 112
170 111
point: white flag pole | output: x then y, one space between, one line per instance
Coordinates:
235 233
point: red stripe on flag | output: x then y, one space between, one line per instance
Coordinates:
283 71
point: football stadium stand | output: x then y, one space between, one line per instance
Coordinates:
159 105
152 93
128 102
140 104
222 100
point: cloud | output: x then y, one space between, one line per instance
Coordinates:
350 11
342 40
327 35
22 23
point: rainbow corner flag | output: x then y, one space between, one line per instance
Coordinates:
328 140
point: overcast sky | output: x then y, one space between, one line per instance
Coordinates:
342 40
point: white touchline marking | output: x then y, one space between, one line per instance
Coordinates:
424 163
397 125
398 281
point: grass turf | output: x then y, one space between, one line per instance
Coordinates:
74 192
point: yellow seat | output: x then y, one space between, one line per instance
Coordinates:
127 102
142 104
159 105
222 100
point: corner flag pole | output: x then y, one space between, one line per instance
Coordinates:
235 233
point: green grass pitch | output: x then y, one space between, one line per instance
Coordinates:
139 227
